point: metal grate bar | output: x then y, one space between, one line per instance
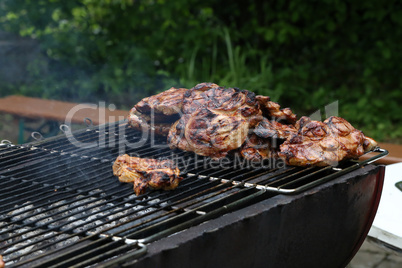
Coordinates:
78 253
13 157
208 193
197 190
63 206
308 181
298 179
96 253
52 189
80 202
90 136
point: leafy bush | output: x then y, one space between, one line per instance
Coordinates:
303 55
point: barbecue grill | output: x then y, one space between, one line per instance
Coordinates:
61 206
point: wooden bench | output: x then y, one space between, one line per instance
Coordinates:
394 156
57 112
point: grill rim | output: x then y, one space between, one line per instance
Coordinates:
173 246
259 190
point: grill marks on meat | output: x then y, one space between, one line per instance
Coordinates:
160 124
273 129
273 109
158 112
215 120
257 149
168 102
276 126
144 172
214 134
324 143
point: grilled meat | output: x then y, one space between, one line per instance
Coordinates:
157 113
167 102
143 172
197 97
215 120
176 137
273 109
214 134
257 149
273 129
159 124
324 143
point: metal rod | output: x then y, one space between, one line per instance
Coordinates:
128 256
201 218
202 195
338 173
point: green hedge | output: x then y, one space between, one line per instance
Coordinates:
304 54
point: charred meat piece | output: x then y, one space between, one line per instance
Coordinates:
273 109
324 143
204 86
157 113
197 97
213 134
176 137
159 124
215 120
257 149
273 129
167 102
153 117
144 172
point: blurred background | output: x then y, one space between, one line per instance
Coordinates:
304 54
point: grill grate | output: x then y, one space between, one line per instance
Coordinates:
61 205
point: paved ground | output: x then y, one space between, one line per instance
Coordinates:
372 255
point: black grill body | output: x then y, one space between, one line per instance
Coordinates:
61 206
322 227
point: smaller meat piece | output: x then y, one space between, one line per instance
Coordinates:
273 109
324 143
274 130
144 172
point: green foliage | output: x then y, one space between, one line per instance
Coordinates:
304 55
